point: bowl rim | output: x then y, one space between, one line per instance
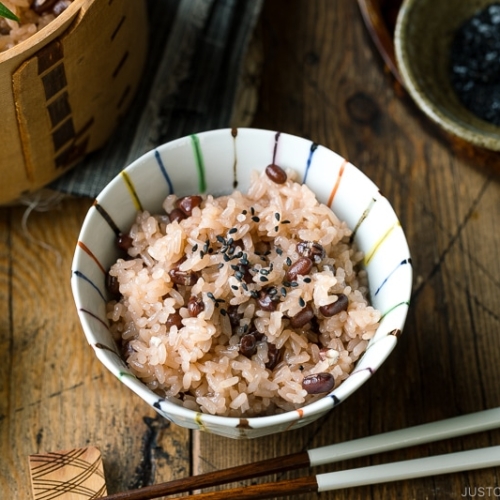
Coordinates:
290 417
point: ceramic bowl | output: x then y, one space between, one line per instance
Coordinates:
212 162
424 32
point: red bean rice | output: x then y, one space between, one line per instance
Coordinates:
233 254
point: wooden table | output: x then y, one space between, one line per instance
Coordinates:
322 79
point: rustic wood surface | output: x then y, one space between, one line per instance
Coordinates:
323 79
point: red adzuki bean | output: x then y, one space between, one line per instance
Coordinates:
234 316
248 345
273 356
312 250
276 173
124 241
265 301
185 278
174 319
195 306
300 267
302 317
336 307
176 215
318 383
187 203
112 285
40 7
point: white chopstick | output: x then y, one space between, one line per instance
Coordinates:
426 433
410 469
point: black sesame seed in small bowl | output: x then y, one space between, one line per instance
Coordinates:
448 55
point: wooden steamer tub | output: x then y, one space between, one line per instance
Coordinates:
63 91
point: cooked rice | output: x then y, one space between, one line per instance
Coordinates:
199 363
31 21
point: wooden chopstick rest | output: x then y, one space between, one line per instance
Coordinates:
67 475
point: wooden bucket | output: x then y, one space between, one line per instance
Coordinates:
63 91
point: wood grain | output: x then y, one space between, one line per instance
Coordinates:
321 78
63 96
70 474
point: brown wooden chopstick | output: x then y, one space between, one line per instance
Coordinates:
425 433
265 467
294 487
397 471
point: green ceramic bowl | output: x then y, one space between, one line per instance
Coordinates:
424 32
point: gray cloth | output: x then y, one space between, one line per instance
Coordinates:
196 52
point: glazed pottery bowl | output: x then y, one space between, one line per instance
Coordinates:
213 162
424 33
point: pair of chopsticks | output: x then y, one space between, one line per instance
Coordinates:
409 469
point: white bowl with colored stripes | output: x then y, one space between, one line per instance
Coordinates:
216 162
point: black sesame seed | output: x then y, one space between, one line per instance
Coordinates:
210 295
254 294
230 241
263 278
307 280
252 210
244 212
195 247
286 221
232 230
234 267
294 284
220 239
202 254
276 228
286 283
223 312
255 218
234 287
283 291
221 265
279 251
244 286
277 216
288 261
302 302
264 271
210 250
